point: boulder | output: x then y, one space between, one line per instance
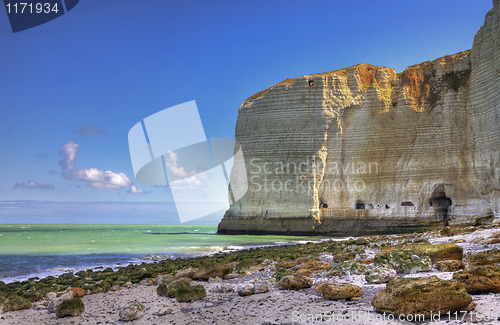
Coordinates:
286 264
78 292
262 287
439 252
186 273
341 291
393 258
421 296
212 271
224 288
492 241
295 282
301 260
164 278
316 265
17 303
245 289
304 272
56 302
185 294
366 261
422 264
320 287
132 312
341 257
257 268
480 279
174 285
450 266
477 240
350 267
380 274
489 257
70 307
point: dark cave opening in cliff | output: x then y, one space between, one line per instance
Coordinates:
441 203
360 206
311 83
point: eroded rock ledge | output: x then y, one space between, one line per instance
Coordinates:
364 150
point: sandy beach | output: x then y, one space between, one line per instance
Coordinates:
278 306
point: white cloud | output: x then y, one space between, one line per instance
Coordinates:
189 183
135 190
68 152
31 184
94 177
171 163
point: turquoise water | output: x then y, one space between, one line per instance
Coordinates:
41 250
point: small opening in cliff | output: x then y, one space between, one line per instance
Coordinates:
440 202
360 205
323 205
311 82
407 204
387 207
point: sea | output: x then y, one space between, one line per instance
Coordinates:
40 250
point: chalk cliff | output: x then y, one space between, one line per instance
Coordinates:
364 150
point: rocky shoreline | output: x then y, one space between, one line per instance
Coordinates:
444 275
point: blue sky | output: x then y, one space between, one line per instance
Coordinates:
87 77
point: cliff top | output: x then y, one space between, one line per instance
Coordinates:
414 77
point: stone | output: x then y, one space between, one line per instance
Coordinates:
393 259
224 288
172 287
367 261
492 241
257 268
422 264
334 273
132 312
301 260
459 241
215 280
70 307
439 252
186 273
341 291
480 279
56 302
350 267
186 294
380 274
450 266
304 272
17 303
262 287
341 257
212 271
488 257
78 292
245 289
477 240
421 296
164 278
316 265
425 142
51 296
295 282
320 287
286 264
447 231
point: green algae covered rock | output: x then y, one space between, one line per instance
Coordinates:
17 304
422 264
70 307
185 294
174 285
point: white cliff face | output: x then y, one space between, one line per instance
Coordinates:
362 150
